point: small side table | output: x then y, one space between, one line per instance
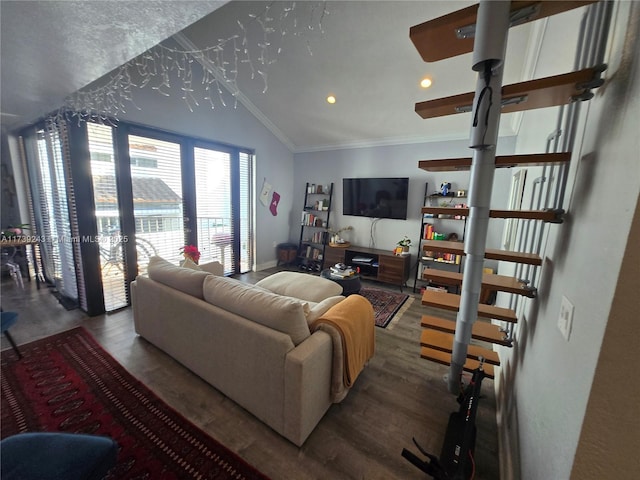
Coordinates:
350 285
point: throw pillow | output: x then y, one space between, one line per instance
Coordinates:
183 279
215 268
188 263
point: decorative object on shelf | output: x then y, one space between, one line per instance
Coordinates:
191 252
219 64
444 188
403 246
335 240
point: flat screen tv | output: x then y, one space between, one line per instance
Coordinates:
375 197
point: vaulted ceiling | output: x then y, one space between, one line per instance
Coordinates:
358 51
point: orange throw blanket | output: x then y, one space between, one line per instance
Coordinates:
354 320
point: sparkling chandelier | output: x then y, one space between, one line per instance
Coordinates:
164 65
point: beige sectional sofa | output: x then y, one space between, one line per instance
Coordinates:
251 342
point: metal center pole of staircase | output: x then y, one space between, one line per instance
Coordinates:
491 33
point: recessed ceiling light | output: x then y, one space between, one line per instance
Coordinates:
425 82
331 99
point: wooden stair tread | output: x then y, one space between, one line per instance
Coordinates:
436 39
490 281
503 161
540 93
450 301
444 342
549 215
444 358
481 330
490 253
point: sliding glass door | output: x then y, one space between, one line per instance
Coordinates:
156 184
107 216
223 198
146 193
213 207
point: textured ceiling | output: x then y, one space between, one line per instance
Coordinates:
50 49
365 58
362 54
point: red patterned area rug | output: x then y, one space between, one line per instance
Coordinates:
68 383
388 306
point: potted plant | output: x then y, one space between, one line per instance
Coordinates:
191 252
405 243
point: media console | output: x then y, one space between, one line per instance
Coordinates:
374 264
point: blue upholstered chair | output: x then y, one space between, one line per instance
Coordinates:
7 320
56 456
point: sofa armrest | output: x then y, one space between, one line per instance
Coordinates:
307 386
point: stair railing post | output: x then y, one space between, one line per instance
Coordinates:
492 28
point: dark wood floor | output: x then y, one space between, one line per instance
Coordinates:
398 396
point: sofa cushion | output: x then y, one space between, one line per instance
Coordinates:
184 279
301 285
258 305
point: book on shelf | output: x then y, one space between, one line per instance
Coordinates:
313 253
308 219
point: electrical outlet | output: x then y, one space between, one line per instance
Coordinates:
565 319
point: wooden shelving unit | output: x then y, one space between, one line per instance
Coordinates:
430 222
314 223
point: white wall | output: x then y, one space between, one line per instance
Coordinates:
393 161
545 382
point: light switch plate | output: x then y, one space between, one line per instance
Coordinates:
565 319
